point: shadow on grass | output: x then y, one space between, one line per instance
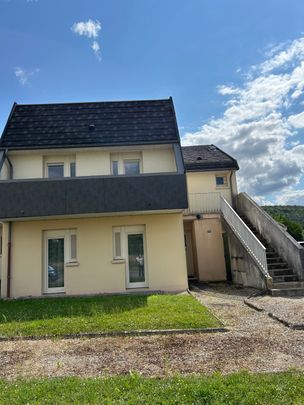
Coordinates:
67 307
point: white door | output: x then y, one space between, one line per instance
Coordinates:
54 261
136 268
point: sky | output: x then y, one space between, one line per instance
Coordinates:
235 70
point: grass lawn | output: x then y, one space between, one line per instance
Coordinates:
238 389
58 316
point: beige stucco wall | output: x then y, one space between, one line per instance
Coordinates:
96 273
162 161
204 182
209 249
95 161
27 165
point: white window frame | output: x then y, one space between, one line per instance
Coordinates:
226 181
60 160
124 231
121 157
131 161
68 260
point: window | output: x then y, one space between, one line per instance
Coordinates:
117 243
128 163
131 167
73 250
72 169
115 167
221 181
59 166
55 170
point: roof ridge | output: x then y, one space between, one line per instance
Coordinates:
95 102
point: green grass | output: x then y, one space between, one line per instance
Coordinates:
58 316
238 389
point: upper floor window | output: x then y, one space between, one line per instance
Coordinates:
221 181
55 170
129 163
59 166
131 166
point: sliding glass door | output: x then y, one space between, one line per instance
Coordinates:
54 263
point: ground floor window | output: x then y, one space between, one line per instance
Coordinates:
129 245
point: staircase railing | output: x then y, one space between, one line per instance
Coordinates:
251 243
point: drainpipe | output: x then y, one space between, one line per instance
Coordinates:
9 260
11 172
231 193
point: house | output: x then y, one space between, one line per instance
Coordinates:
228 236
101 198
92 199
211 174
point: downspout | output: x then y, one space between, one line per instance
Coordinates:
231 193
11 171
9 260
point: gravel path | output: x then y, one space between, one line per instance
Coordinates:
255 342
290 310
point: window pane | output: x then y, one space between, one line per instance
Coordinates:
131 167
117 242
220 181
73 247
136 258
115 167
73 169
55 263
55 170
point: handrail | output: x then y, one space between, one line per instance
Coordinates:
251 243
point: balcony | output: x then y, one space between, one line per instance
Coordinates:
203 203
92 195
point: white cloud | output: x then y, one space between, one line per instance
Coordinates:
89 29
292 197
96 48
297 120
257 126
23 75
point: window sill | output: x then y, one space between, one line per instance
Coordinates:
72 264
118 261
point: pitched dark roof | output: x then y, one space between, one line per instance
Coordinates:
207 157
90 124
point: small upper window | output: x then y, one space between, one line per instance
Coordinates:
221 181
55 170
115 167
72 169
131 167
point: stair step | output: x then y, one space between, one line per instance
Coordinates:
284 278
274 259
287 292
277 265
290 284
281 272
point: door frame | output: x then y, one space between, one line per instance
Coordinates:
135 230
53 235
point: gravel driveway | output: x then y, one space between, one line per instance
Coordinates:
255 342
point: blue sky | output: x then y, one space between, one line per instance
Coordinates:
234 69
